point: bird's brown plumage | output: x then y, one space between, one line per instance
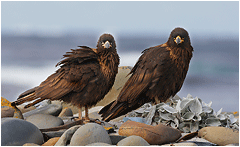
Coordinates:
85 76
158 74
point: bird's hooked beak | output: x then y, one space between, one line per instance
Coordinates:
106 45
179 40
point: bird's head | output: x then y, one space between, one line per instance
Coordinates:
179 37
105 42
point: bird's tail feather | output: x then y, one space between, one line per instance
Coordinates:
35 102
27 96
114 110
105 108
24 99
26 93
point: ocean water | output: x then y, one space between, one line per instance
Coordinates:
213 74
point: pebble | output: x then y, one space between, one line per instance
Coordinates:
16 132
154 135
98 144
116 138
43 121
17 112
219 135
51 142
66 136
7 111
90 133
50 109
133 141
74 109
66 112
30 144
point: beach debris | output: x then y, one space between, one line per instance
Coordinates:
188 114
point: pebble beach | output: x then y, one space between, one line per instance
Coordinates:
21 127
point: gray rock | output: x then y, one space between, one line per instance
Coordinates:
66 136
51 109
98 144
53 134
116 138
133 141
90 133
219 135
66 112
16 132
44 121
45 103
7 111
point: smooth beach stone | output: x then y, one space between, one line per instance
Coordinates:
16 132
44 121
66 112
116 138
98 144
57 102
7 111
219 135
154 135
74 109
50 109
30 144
133 141
51 142
67 135
90 133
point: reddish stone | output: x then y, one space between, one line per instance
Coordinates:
154 135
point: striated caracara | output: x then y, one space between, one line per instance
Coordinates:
85 76
158 75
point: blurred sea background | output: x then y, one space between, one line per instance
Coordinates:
36 34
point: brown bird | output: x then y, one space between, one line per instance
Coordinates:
158 74
85 76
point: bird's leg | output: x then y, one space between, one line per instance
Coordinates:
80 113
86 114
